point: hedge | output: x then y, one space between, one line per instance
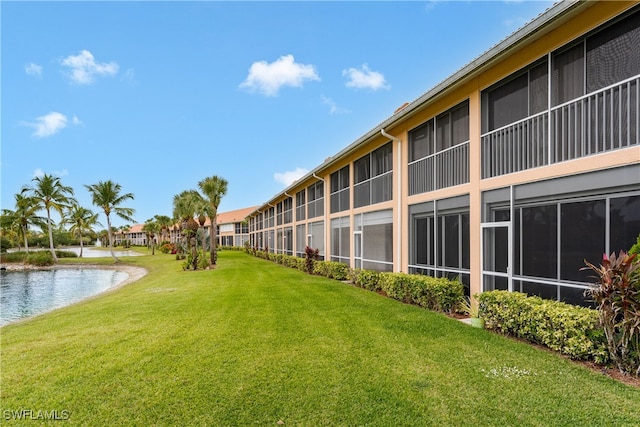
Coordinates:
331 269
571 330
434 293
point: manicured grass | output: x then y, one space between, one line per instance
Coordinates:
253 343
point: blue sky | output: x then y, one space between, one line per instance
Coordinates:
159 95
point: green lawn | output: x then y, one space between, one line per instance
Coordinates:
255 343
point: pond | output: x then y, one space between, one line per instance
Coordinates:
91 252
29 293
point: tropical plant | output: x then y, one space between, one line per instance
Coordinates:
50 194
151 228
185 205
106 195
213 188
25 214
617 296
82 221
164 222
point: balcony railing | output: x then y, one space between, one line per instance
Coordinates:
444 169
601 121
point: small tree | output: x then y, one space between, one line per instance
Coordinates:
82 221
106 195
151 228
617 296
311 255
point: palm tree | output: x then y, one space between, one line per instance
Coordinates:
185 205
82 220
50 194
164 222
106 195
151 228
214 188
23 216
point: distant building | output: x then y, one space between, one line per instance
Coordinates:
232 228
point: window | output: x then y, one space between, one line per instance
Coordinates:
376 229
340 190
432 162
439 239
517 97
421 141
269 218
315 198
552 240
340 235
301 240
373 177
315 238
279 213
287 214
300 206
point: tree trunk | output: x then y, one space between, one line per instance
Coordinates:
111 239
53 250
213 239
26 243
80 245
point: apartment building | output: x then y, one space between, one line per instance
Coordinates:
508 174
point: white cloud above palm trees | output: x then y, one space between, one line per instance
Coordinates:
267 78
83 68
50 124
364 78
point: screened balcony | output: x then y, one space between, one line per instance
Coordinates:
604 120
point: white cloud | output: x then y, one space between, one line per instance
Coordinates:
84 68
364 78
267 78
333 107
288 178
129 76
33 69
39 173
50 124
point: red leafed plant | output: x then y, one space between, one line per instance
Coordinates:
617 296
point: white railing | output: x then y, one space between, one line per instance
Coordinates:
601 121
444 169
518 146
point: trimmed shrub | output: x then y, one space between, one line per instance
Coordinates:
365 279
434 293
569 329
40 258
331 269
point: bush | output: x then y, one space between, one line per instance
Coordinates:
311 255
331 269
365 279
66 254
434 293
569 329
13 257
40 258
617 295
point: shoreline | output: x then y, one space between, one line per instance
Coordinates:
133 274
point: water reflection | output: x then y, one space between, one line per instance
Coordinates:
28 293
89 252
